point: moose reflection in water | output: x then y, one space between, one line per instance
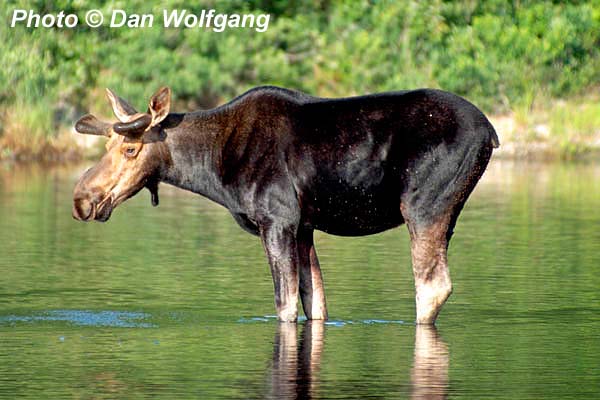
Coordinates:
285 163
296 364
429 377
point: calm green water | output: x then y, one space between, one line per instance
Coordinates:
175 301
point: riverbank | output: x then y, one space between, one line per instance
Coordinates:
556 130
59 149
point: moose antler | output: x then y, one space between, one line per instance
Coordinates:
122 109
135 127
90 125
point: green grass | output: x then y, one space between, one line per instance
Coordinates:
576 119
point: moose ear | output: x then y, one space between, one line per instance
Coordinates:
159 105
91 125
122 109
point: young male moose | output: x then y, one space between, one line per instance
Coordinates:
285 163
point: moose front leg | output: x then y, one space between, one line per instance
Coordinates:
281 247
312 291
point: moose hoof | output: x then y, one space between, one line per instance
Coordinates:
430 300
317 316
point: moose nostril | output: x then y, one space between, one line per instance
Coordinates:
82 209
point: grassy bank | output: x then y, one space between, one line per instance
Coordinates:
551 129
30 134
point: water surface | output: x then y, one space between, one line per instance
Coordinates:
176 301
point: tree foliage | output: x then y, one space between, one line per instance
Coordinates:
496 53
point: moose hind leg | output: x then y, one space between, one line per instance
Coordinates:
430 268
312 291
435 194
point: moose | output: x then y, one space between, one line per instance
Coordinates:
285 163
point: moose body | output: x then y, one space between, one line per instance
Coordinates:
285 164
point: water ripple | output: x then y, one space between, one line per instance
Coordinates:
120 319
337 323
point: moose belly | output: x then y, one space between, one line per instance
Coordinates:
354 214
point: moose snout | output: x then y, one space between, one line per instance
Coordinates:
92 201
82 209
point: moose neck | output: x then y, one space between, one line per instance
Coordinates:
193 141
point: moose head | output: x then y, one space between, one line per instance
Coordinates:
134 153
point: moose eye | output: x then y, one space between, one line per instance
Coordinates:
130 151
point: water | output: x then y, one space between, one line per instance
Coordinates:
176 301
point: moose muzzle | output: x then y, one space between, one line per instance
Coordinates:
91 201
87 207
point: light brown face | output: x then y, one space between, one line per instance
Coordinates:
134 153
